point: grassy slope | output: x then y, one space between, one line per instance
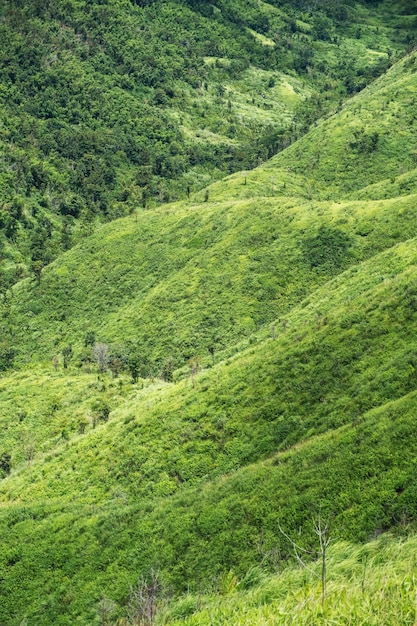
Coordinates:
77 552
124 472
158 279
93 117
328 368
179 261
322 415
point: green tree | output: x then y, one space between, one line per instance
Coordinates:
37 267
67 353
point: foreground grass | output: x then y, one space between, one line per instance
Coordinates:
68 554
368 585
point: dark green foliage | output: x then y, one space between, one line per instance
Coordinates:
37 267
67 353
101 411
134 365
97 120
363 142
7 356
117 360
328 251
167 369
90 338
5 464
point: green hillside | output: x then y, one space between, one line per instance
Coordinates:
179 384
107 106
366 150
159 482
153 285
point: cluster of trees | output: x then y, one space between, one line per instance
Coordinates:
118 359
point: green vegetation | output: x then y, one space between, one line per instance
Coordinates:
373 584
155 286
181 384
108 106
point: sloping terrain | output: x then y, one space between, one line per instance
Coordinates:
108 106
259 367
322 416
154 284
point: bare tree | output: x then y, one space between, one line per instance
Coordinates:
144 600
101 355
322 531
106 608
29 447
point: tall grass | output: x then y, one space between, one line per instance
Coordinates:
370 585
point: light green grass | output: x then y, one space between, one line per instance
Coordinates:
369 585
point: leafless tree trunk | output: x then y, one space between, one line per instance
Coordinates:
143 600
101 355
323 533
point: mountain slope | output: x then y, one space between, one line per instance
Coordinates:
154 285
179 438
370 141
107 106
303 311
157 285
345 352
